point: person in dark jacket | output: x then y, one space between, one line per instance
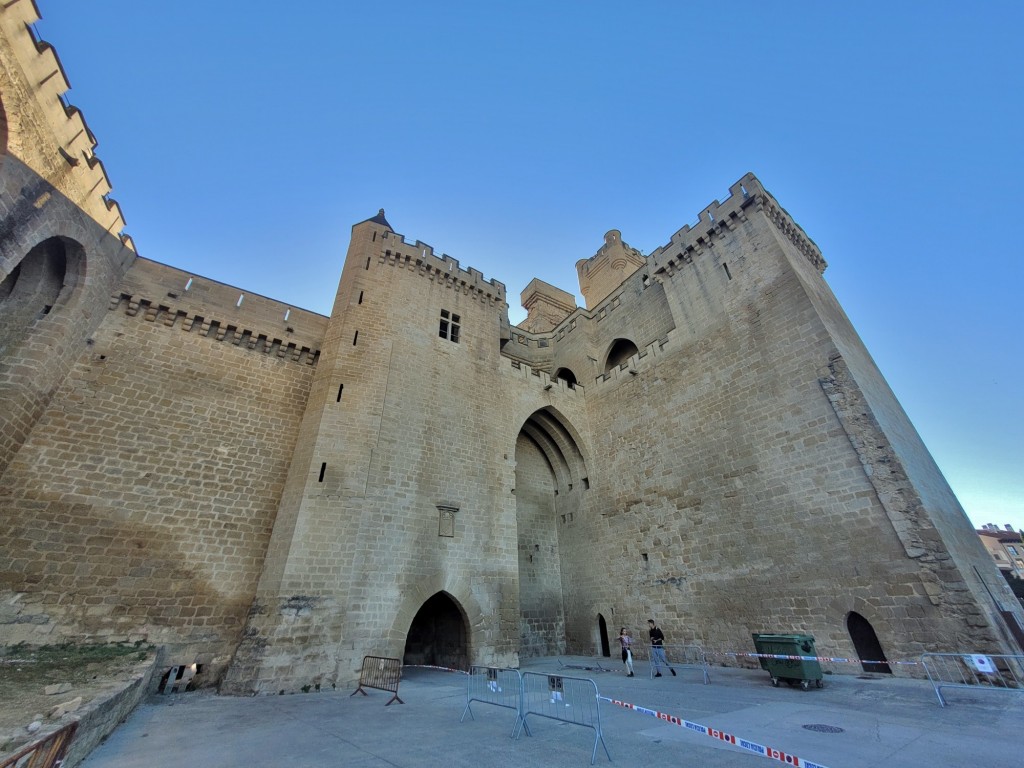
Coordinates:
658 649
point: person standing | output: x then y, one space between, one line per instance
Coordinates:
658 649
626 640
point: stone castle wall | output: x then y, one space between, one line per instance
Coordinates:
275 494
156 470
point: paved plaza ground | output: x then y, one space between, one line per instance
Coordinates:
853 722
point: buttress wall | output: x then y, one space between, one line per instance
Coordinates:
922 509
740 503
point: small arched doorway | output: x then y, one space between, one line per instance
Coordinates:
438 635
866 642
602 627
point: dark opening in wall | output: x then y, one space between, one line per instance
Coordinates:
620 352
360 298
567 376
340 388
355 338
438 635
180 678
728 274
41 281
323 469
367 262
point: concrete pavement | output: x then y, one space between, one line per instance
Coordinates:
857 722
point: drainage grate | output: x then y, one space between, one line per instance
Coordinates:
824 728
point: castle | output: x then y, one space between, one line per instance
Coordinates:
272 494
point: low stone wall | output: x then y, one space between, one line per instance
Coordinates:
103 714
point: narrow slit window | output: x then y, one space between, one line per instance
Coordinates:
367 262
323 469
355 338
728 274
360 298
341 388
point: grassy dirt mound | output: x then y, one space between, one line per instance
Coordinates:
87 671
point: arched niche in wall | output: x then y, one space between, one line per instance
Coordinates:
619 352
567 376
41 283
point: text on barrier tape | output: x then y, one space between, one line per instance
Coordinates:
750 746
811 658
431 666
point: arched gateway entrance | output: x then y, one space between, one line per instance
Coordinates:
438 635
551 478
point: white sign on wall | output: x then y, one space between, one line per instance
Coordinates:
982 663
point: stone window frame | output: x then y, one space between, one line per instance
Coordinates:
446 520
450 327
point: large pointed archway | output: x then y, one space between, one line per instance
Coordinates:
551 476
438 636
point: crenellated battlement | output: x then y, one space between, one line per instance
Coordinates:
543 379
420 257
747 194
53 139
159 293
218 329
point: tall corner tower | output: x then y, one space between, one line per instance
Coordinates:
398 448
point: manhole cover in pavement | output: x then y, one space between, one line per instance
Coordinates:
823 728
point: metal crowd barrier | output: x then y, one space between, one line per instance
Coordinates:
46 753
974 670
499 686
571 700
684 657
381 673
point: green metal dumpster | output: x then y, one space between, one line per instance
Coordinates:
790 671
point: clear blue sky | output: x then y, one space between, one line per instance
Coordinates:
244 139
